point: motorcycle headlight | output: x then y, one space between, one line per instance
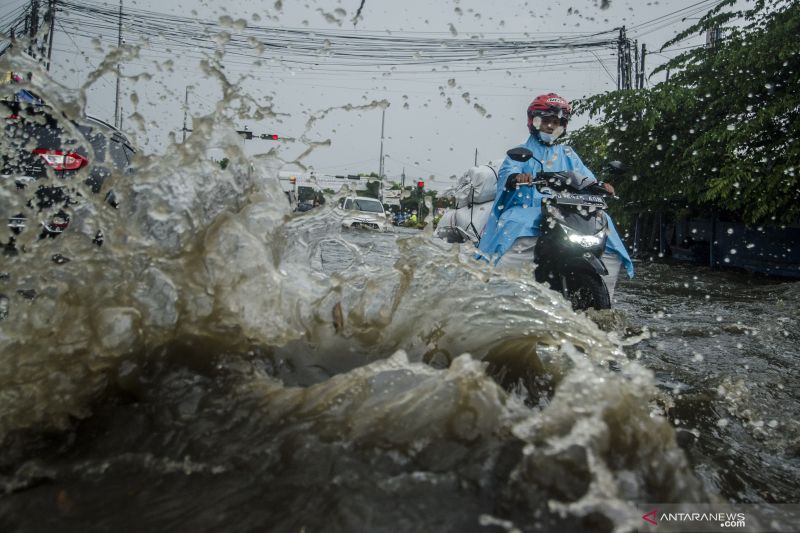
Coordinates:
586 241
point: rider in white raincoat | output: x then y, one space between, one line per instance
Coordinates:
513 225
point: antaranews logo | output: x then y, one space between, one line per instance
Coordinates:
651 517
725 520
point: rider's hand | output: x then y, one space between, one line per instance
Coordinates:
524 179
609 188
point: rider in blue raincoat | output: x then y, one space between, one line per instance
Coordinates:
513 226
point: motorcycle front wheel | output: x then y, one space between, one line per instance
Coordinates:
586 290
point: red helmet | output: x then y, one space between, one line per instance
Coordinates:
549 105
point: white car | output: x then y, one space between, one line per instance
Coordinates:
364 213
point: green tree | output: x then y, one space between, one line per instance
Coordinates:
723 131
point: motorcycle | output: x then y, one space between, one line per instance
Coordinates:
574 230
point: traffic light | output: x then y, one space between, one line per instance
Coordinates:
248 135
420 186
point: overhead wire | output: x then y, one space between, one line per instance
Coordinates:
521 62
328 50
12 23
14 17
337 49
315 54
670 18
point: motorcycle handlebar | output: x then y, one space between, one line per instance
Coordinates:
596 188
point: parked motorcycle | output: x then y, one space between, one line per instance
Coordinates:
574 230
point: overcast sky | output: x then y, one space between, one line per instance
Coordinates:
433 125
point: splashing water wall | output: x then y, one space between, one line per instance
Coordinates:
224 363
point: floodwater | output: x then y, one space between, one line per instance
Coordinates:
725 346
222 364
371 418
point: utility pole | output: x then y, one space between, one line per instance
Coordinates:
641 68
713 37
476 156
52 17
620 56
33 27
117 121
403 180
628 65
185 111
624 63
636 63
383 121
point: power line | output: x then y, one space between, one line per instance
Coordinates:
613 80
336 49
695 8
517 62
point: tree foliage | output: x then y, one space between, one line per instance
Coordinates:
722 132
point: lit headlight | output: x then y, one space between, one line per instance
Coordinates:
587 241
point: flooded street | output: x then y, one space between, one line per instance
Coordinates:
725 346
371 419
198 331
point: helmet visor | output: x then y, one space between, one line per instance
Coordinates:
551 113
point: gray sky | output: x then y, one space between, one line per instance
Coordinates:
433 125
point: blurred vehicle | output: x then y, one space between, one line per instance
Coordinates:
305 206
364 213
38 147
400 218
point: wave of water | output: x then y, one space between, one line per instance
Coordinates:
206 364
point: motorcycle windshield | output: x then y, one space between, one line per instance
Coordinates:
567 180
585 200
582 221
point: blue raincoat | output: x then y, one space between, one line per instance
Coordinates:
518 213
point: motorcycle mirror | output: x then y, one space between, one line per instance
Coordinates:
616 167
520 153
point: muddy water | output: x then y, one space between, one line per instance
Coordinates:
725 346
221 363
367 424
